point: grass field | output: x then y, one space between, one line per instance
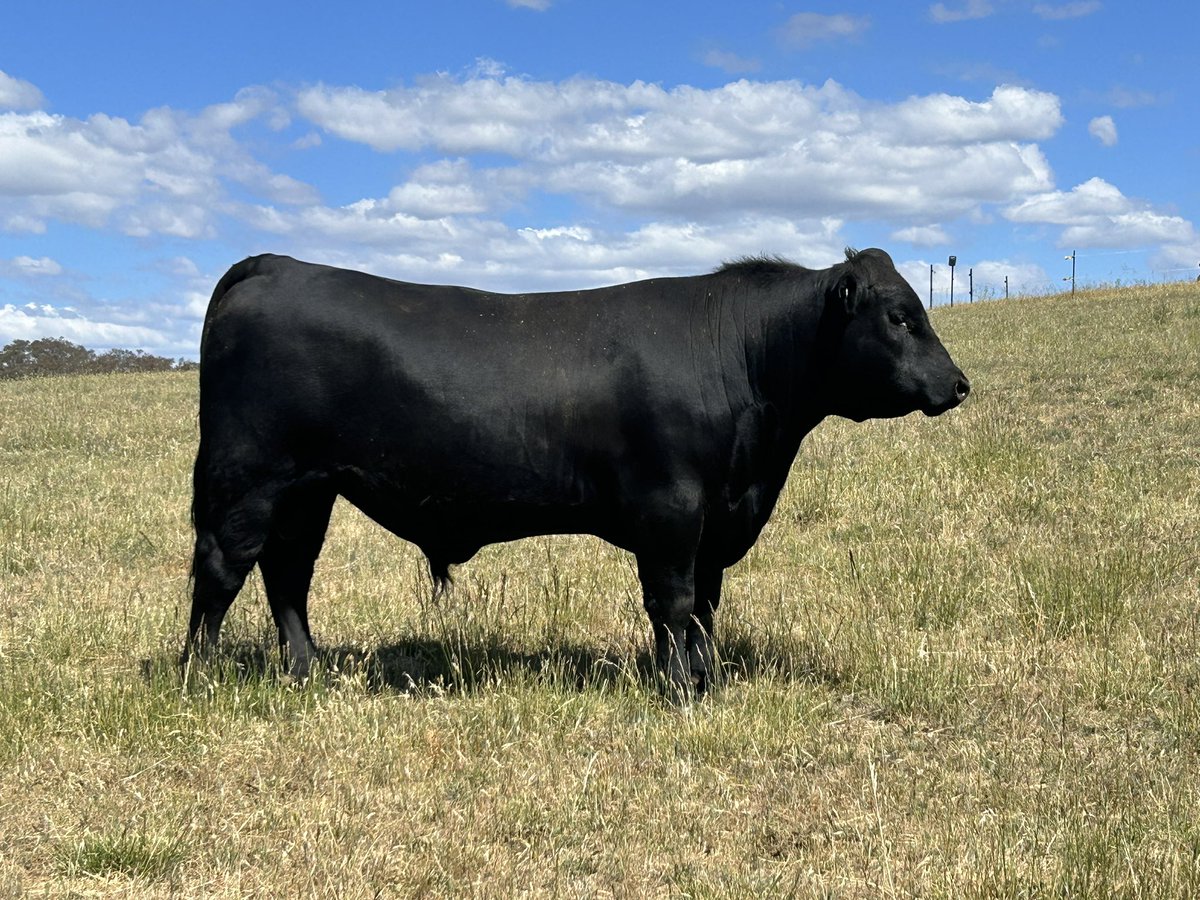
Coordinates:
963 661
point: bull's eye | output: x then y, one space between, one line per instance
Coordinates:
900 321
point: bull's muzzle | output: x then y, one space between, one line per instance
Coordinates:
953 397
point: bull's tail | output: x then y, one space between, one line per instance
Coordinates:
439 570
199 504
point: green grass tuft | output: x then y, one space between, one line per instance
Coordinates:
132 853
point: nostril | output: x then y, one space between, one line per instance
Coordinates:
962 388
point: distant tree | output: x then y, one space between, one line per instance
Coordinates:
130 361
58 356
45 356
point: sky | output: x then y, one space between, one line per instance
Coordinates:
520 145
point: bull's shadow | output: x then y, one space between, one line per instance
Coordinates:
464 664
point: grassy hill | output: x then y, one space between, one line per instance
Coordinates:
963 660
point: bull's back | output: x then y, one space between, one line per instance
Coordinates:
466 392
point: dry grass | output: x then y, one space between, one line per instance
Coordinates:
962 662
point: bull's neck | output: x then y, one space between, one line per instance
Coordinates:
786 349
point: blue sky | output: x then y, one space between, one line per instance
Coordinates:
541 144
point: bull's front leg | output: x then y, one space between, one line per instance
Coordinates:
668 593
701 634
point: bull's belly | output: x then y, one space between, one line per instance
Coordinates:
452 526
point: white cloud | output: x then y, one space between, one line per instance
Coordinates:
30 267
444 188
557 122
1137 228
695 153
1095 197
804 29
974 9
1011 113
180 266
18 94
730 62
922 235
538 5
989 275
1132 98
641 179
162 175
182 220
489 254
1060 11
1023 278
42 320
1181 258
1097 214
1103 129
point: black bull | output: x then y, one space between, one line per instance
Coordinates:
661 416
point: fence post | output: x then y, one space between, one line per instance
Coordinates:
971 284
931 285
1005 287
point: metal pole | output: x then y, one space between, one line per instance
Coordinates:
952 285
971 282
1072 273
931 285
1005 287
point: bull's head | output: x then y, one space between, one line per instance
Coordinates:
889 362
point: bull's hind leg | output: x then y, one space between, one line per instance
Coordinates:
287 562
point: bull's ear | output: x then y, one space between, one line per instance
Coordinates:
845 293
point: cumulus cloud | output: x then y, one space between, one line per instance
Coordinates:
16 94
490 254
989 275
165 174
1010 113
513 183
1095 197
1103 129
685 151
34 321
922 235
1179 258
1097 214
